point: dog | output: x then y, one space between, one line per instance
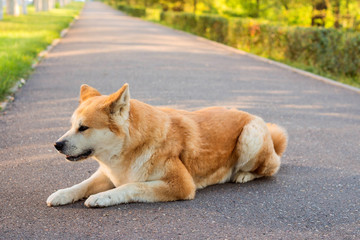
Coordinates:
154 154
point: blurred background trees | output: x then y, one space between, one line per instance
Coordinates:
13 6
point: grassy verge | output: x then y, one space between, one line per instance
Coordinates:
23 38
352 81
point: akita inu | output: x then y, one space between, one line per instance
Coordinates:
150 154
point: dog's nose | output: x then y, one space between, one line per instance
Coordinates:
59 145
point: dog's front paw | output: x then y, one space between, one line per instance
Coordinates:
99 200
60 197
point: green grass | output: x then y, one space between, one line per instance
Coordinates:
23 37
352 81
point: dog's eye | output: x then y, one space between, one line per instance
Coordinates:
83 128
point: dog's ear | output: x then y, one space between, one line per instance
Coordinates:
87 92
119 102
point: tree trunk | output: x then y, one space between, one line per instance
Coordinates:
337 13
285 4
257 8
1 9
12 7
38 5
45 5
319 8
195 2
23 6
52 4
61 3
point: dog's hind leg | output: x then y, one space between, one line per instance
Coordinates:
98 182
175 184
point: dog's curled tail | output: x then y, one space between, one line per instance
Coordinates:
279 137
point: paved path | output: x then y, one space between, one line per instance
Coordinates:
315 195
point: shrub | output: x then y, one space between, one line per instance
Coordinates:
212 27
132 11
350 58
209 26
183 21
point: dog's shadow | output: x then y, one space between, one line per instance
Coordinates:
205 195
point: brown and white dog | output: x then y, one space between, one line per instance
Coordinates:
150 154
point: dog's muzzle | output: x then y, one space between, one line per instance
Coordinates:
82 156
60 146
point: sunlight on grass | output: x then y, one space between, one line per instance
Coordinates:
23 37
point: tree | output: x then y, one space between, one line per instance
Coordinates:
23 6
1 9
42 5
61 3
38 5
45 5
174 5
12 7
319 13
257 14
336 11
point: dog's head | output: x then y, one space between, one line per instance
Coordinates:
99 124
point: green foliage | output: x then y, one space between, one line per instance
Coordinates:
23 37
173 5
153 14
210 26
183 21
133 11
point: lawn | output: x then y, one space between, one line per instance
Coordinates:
23 38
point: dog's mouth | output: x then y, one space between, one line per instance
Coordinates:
82 156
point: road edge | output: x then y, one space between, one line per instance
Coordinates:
285 66
263 59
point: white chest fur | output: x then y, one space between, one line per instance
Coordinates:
121 171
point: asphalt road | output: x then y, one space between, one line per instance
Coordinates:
315 195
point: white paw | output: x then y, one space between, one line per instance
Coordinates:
60 197
99 200
244 177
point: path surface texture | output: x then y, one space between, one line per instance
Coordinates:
315 195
